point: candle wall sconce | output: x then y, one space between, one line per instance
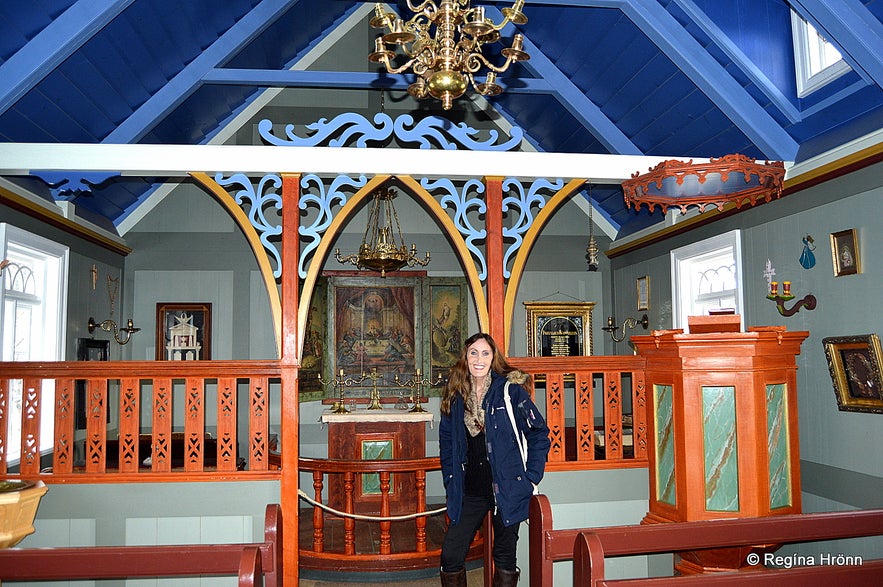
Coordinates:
111 326
808 301
341 382
611 327
416 384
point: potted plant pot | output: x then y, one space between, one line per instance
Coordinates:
18 507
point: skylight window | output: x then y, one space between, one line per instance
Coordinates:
816 60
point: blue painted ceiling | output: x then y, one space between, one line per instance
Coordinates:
683 78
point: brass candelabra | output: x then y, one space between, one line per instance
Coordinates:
341 382
415 384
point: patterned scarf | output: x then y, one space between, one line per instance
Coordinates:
474 416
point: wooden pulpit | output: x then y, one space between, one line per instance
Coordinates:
723 427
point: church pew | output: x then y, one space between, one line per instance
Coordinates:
588 547
255 564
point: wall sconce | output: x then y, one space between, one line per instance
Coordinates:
808 301
628 323
111 326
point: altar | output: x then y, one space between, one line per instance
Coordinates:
372 435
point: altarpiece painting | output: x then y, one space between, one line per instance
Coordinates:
395 325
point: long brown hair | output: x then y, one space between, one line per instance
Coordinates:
458 376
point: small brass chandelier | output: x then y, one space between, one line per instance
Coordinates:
443 45
379 251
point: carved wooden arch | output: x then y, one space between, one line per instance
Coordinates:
322 251
530 237
254 241
348 210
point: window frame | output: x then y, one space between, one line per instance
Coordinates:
680 260
57 256
808 41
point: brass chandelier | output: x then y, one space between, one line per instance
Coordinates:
379 251
443 43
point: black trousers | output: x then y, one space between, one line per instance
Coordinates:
459 536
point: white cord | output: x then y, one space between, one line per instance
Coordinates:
307 498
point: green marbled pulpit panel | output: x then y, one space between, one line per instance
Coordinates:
719 442
777 445
665 451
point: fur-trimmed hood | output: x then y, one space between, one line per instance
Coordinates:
517 376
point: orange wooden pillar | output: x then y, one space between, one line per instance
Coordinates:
289 366
723 427
496 288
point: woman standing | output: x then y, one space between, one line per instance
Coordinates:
482 460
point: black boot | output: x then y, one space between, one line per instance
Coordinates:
454 578
504 578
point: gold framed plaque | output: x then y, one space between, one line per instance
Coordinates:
559 329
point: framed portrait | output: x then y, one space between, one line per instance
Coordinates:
845 253
445 320
374 322
559 329
643 287
854 364
183 331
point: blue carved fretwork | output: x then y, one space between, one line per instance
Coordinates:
324 201
523 203
69 185
320 200
255 200
460 203
354 130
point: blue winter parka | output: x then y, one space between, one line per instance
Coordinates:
513 485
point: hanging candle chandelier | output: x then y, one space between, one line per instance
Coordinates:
592 247
379 250
443 45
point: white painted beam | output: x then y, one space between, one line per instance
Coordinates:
178 160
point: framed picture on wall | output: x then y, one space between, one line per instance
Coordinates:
844 253
559 329
445 322
854 364
183 331
312 362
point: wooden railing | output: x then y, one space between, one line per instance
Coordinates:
201 396
168 408
622 440
251 562
169 391
419 552
588 547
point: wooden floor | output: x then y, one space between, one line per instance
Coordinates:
474 578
